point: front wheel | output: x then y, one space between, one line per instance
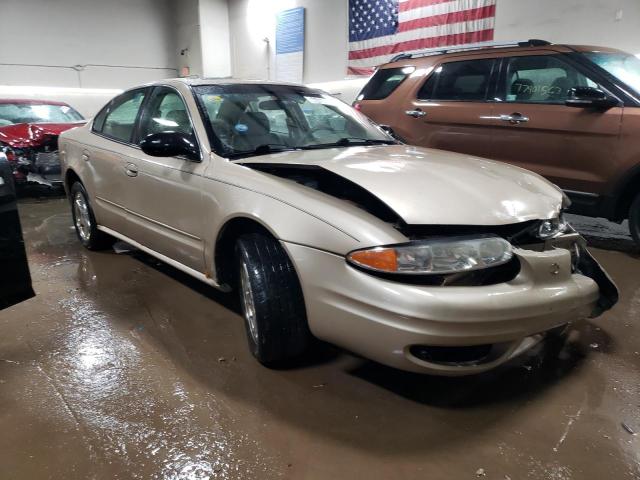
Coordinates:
271 300
84 220
634 219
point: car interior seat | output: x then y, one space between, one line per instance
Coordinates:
559 89
522 88
251 130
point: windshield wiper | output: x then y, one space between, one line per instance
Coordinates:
263 149
351 141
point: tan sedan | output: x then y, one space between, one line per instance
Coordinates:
327 227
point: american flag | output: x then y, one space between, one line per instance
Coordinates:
380 29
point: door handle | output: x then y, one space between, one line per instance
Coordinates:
131 170
417 113
514 118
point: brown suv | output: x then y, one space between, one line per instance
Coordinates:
569 113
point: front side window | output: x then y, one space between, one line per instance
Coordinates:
541 79
118 119
165 112
466 81
33 112
258 119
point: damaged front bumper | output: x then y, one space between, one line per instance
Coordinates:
457 330
584 263
35 166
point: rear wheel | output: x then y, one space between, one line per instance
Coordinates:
634 219
271 300
84 220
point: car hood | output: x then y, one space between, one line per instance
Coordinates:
426 186
23 135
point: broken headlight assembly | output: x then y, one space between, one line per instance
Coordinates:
553 227
556 226
436 256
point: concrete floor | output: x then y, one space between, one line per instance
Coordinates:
123 368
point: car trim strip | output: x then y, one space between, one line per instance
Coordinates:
577 192
189 271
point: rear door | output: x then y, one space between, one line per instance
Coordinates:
164 193
452 108
573 147
108 156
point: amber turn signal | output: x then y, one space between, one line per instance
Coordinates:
383 259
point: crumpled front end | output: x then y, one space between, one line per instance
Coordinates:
32 151
466 327
38 164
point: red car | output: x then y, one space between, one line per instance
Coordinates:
29 131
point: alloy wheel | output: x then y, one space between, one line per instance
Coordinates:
248 305
82 216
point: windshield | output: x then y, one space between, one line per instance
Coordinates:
250 120
623 66
11 113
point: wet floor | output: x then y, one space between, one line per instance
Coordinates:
124 368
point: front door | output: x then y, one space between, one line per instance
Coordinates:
574 148
451 109
164 193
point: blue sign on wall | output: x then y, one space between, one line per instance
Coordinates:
290 31
290 45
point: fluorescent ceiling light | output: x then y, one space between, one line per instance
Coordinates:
34 90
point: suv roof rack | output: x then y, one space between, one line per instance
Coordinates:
534 42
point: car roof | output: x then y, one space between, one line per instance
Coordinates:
429 58
32 101
195 81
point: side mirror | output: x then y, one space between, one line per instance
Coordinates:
590 97
171 144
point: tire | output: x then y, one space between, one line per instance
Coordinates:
634 220
271 300
84 220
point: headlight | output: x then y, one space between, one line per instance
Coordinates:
435 256
553 227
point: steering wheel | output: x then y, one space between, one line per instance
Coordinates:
310 134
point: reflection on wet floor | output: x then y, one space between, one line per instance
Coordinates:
122 367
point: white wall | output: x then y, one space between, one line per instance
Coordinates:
214 34
326 39
54 35
582 22
326 44
136 37
188 44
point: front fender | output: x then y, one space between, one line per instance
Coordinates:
334 226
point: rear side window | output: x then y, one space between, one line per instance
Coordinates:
118 119
466 81
384 82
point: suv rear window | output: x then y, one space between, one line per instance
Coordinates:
384 82
462 81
